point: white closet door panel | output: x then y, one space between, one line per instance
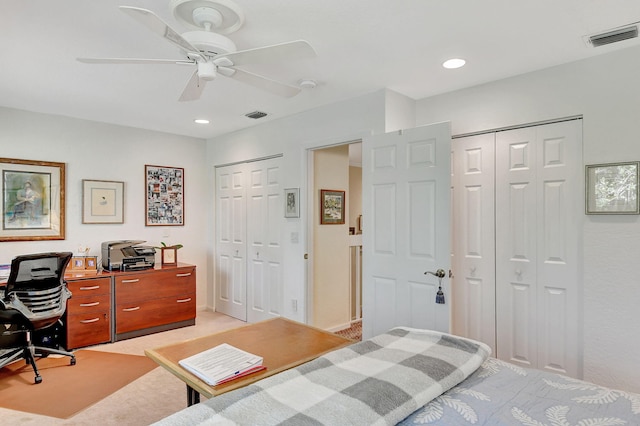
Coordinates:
230 261
561 190
516 242
264 286
473 260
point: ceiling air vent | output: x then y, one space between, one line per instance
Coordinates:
614 36
256 114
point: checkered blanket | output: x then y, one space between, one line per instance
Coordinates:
378 381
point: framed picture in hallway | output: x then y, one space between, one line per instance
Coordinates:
612 188
331 207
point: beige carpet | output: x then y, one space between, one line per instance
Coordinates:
65 389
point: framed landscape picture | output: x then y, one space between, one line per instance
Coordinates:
33 197
331 207
612 188
164 196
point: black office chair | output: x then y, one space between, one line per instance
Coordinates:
35 297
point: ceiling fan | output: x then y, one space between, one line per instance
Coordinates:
209 49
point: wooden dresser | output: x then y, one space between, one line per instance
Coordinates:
154 300
88 315
112 306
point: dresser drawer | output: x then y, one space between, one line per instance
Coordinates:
155 312
90 286
134 287
88 329
82 305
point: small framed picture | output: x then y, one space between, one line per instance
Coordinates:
612 188
331 207
169 256
102 201
91 262
77 263
292 202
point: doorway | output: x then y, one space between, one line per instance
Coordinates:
334 274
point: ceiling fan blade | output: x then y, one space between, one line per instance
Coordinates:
133 61
158 26
193 89
299 49
260 82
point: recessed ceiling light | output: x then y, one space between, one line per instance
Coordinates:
454 63
201 121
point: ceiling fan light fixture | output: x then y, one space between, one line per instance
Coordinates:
207 71
454 63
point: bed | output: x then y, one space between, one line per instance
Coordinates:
415 377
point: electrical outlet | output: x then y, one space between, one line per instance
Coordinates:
294 305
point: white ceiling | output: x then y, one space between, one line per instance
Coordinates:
362 46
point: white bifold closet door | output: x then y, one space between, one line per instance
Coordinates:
248 259
534 244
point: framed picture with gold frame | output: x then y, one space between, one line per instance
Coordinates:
332 207
32 202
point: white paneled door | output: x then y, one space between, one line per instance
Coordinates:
248 266
406 212
474 281
539 194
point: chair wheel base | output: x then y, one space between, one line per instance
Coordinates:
38 379
72 361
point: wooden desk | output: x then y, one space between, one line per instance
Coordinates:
282 343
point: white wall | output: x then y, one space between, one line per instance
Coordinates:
99 151
606 91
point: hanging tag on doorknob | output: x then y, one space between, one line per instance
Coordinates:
439 294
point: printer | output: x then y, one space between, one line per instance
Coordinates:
125 255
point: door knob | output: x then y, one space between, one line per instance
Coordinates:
439 273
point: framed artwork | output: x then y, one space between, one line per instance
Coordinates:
292 202
331 207
169 256
102 201
612 188
77 263
91 262
165 195
33 200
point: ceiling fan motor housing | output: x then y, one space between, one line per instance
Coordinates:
210 44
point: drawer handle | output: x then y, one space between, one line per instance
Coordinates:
85 305
131 281
187 274
93 287
89 321
184 300
130 309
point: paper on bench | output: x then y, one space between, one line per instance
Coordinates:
221 363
